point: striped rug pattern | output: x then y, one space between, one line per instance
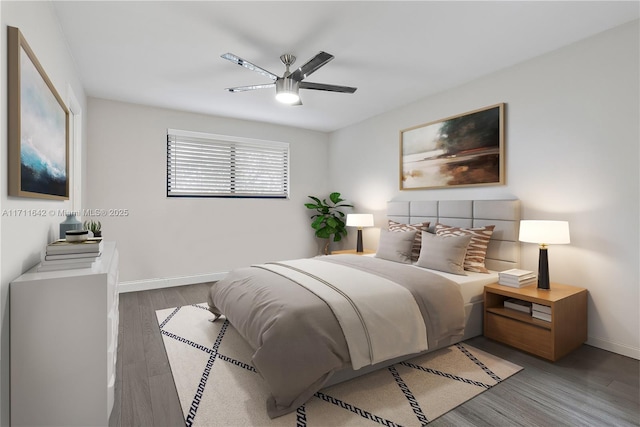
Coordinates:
218 386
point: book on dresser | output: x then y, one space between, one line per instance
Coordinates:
63 255
81 256
517 278
62 247
59 265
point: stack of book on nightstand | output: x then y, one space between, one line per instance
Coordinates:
64 255
542 312
516 304
516 278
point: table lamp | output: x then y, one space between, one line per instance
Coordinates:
359 220
544 233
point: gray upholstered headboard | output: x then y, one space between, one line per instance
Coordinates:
504 249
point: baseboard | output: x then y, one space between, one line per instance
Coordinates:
622 349
147 284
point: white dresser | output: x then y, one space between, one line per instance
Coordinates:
64 337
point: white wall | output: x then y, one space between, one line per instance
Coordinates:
24 237
572 153
176 237
572 139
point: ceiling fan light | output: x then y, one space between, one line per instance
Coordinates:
287 97
287 91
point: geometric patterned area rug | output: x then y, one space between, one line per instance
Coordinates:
218 386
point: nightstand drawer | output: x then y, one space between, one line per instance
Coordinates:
527 337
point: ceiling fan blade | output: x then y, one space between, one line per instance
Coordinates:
311 66
329 88
250 87
246 64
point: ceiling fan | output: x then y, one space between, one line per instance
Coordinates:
288 85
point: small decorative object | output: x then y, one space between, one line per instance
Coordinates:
38 127
76 236
71 223
463 150
329 219
359 220
544 233
94 227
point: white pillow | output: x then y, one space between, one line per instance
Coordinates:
396 246
443 253
417 242
477 250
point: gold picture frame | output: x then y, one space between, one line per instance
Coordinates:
38 127
459 151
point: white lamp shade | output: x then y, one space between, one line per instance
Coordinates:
544 232
359 220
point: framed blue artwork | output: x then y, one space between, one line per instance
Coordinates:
38 123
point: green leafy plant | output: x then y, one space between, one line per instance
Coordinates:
329 219
93 226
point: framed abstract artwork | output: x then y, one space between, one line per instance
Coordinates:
462 150
38 127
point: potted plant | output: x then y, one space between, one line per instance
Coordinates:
329 220
93 226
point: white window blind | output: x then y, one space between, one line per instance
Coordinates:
208 165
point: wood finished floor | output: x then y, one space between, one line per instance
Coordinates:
590 387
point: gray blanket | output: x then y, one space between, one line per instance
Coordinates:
297 341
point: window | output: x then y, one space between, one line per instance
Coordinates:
207 165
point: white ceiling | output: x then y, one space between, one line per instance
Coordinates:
167 53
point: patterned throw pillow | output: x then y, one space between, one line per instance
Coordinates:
417 243
477 250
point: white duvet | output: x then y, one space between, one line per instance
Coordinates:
380 319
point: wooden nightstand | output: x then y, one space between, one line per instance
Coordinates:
352 251
552 340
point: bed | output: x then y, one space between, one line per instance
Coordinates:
316 322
